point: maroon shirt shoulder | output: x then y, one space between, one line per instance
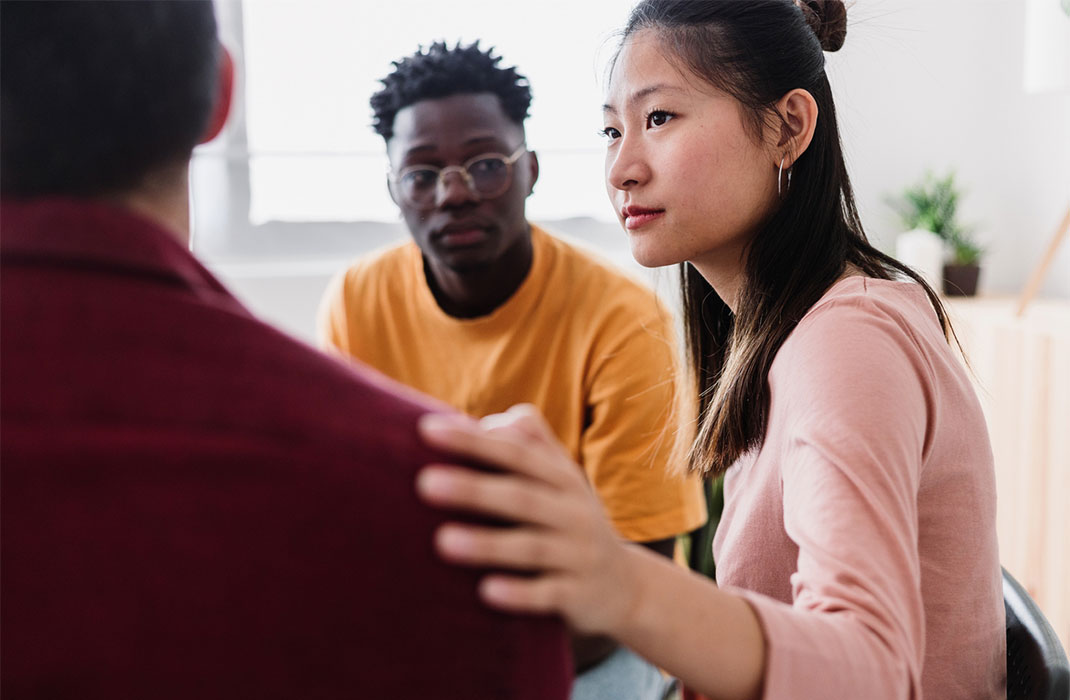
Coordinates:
195 504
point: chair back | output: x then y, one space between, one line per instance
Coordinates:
1037 667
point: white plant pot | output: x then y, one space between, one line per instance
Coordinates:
923 252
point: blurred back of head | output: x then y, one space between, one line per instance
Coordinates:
95 95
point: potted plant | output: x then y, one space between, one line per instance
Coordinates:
932 205
964 267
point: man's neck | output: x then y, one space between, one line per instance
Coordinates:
478 292
163 198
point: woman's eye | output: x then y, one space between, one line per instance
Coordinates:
609 133
659 117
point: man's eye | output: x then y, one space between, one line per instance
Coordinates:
659 117
421 178
487 166
609 133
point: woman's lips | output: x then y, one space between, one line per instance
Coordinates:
635 217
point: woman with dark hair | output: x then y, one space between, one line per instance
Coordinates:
856 555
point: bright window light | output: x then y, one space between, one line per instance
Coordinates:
311 65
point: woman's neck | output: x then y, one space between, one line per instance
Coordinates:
725 273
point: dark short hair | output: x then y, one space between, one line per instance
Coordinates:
441 71
97 94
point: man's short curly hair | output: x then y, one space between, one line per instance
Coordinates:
441 71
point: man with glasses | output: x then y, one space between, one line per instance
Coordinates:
484 310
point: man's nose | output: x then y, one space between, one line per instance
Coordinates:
454 189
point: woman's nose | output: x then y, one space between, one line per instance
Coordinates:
626 166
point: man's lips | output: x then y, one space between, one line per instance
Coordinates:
461 235
635 217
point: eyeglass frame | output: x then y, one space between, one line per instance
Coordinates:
466 177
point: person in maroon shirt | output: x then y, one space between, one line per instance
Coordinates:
194 504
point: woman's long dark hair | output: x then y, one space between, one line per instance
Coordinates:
757 51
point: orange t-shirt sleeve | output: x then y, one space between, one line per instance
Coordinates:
332 322
628 443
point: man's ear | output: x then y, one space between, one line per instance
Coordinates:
224 94
798 113
533 170
390 189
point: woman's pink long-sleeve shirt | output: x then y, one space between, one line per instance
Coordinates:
862 531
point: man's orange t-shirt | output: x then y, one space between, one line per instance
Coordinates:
590 347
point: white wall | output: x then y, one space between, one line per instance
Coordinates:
919 84
939 84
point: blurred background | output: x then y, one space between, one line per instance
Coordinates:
298 185
975 89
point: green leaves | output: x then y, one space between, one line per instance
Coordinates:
965 251
932 204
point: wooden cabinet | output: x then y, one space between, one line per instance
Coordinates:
1021 368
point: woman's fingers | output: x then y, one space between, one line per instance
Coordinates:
505 446
541 595
596 600
526 418
497 495
556 594
522 548
569 556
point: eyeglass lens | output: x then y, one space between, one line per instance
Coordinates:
488 176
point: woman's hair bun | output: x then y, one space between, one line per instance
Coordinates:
828 19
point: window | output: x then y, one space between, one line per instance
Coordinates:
300 149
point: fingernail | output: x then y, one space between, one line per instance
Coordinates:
451 539
493 590
433 424
431 482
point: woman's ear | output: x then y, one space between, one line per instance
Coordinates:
224 93
798 113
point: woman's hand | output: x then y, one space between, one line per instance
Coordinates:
580 569
574 564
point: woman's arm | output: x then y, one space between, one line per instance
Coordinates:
855 402
582 570
590 650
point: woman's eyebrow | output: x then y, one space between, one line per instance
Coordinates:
641 93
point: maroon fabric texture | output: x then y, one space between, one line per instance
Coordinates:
196 505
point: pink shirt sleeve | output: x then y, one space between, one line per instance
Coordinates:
855 393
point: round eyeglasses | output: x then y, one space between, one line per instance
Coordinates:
487 175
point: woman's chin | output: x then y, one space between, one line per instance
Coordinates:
651 256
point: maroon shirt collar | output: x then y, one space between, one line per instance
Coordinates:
91 233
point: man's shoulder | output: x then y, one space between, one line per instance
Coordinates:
589 267
368 289
191 360
383 265
267 450
315 395
601 290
